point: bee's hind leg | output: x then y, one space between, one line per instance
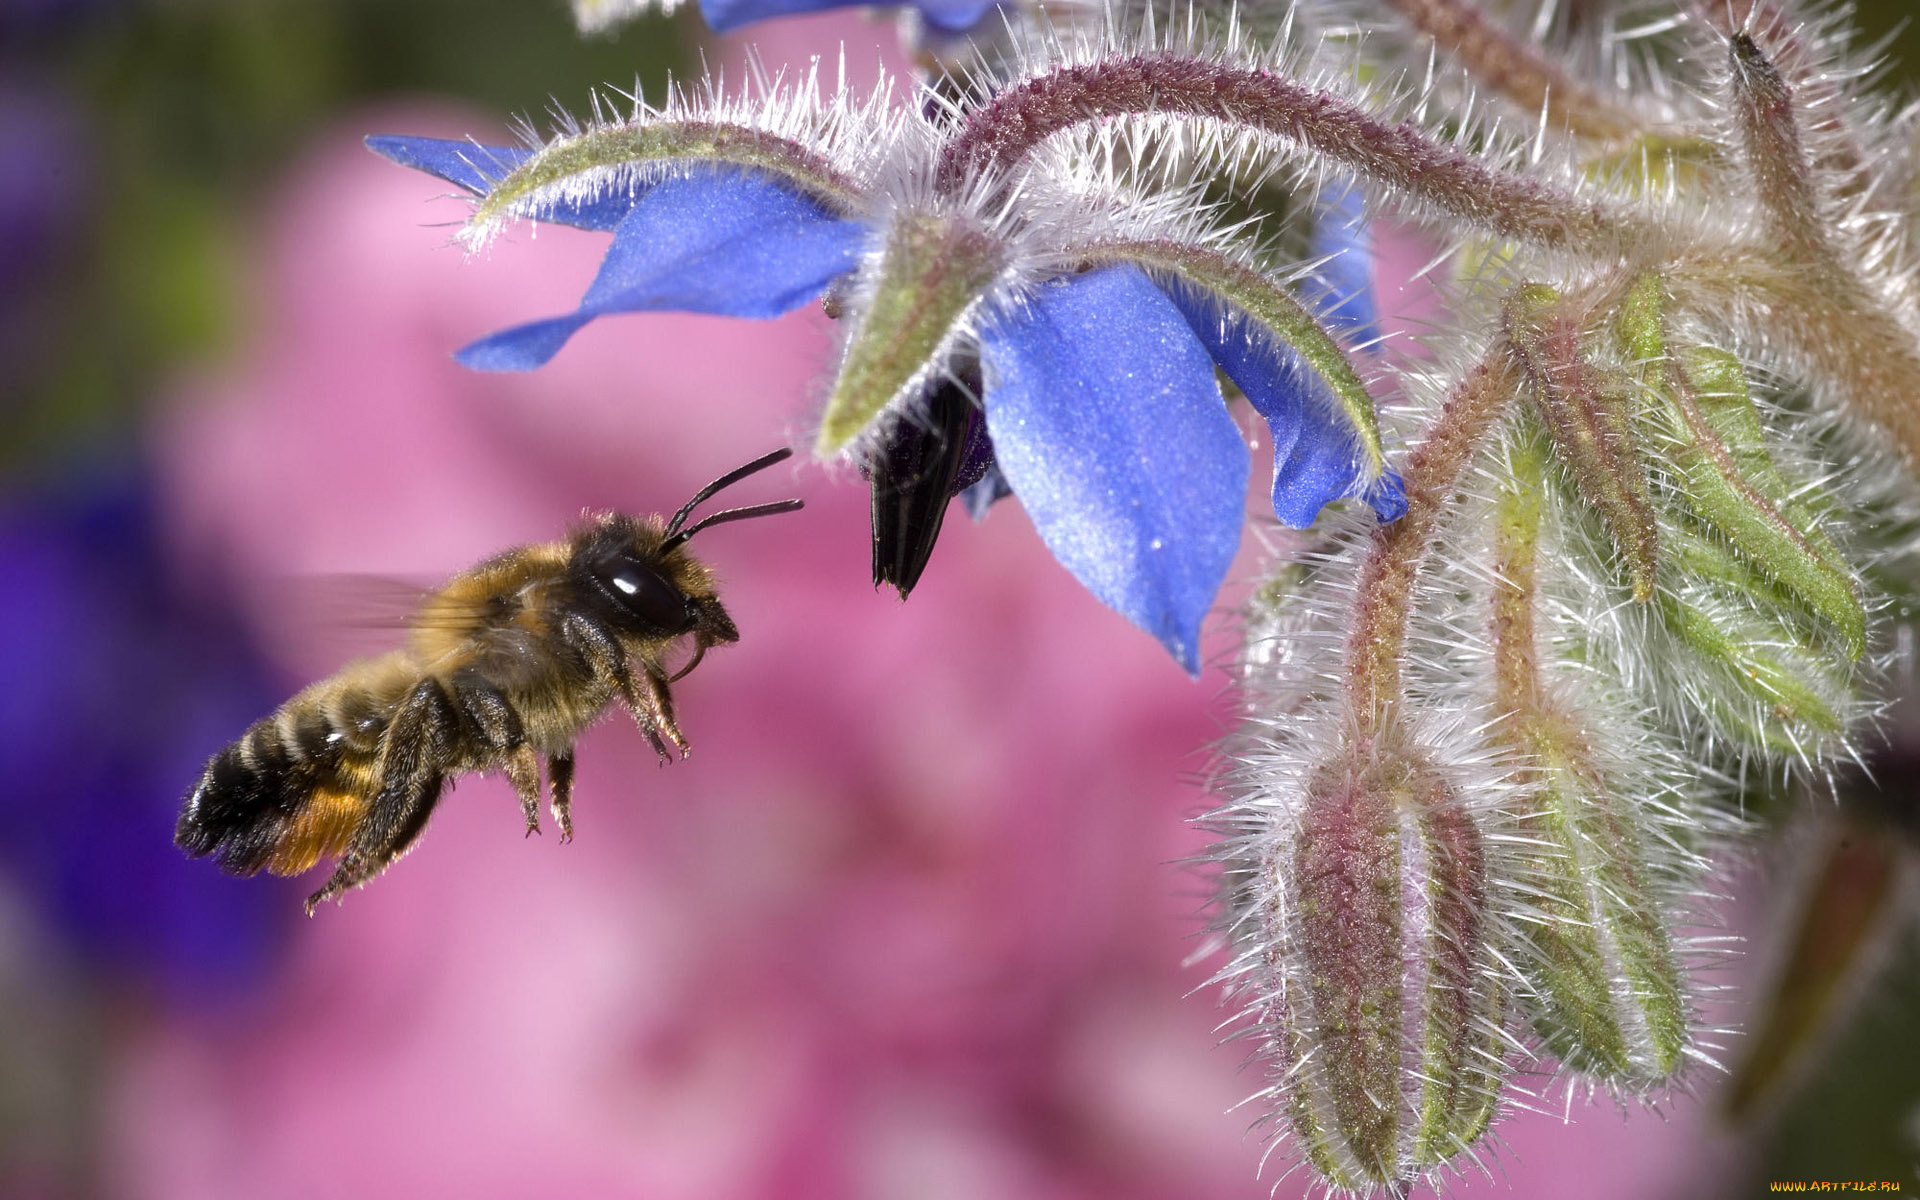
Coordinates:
560 784
488 709
414 756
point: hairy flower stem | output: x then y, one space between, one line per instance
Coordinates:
1001 132
1394 560
1822 309
1590 415
1516 70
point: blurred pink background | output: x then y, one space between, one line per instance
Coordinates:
910 922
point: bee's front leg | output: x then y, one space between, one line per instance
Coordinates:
652 705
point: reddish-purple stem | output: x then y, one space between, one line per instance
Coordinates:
1004 130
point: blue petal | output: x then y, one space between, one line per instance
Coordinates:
720 242
477 168
724 16
1108 425
983 493
1388 496
1340 230
462 163
954 16
1316 456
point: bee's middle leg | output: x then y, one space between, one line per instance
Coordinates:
500 728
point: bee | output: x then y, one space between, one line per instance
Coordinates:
507 663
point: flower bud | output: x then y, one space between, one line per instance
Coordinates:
1766 117
1383 1003
1744 663
1605 994
1728 480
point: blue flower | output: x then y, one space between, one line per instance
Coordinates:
1098 366
1343 242
725 16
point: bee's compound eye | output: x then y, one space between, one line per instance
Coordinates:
643 592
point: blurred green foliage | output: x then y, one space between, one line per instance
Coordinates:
192 106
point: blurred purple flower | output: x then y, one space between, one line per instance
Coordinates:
21 19
114 686
724 16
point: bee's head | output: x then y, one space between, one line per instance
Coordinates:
638 576
629 579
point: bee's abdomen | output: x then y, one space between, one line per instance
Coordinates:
240 803
293 788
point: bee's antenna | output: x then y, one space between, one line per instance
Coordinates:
731 514
675 537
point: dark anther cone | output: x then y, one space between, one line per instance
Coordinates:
925 457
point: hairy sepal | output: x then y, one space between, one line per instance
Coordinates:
1743 662
1728 480
929 278
821 150
1589 413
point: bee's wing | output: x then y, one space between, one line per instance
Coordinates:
334 618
